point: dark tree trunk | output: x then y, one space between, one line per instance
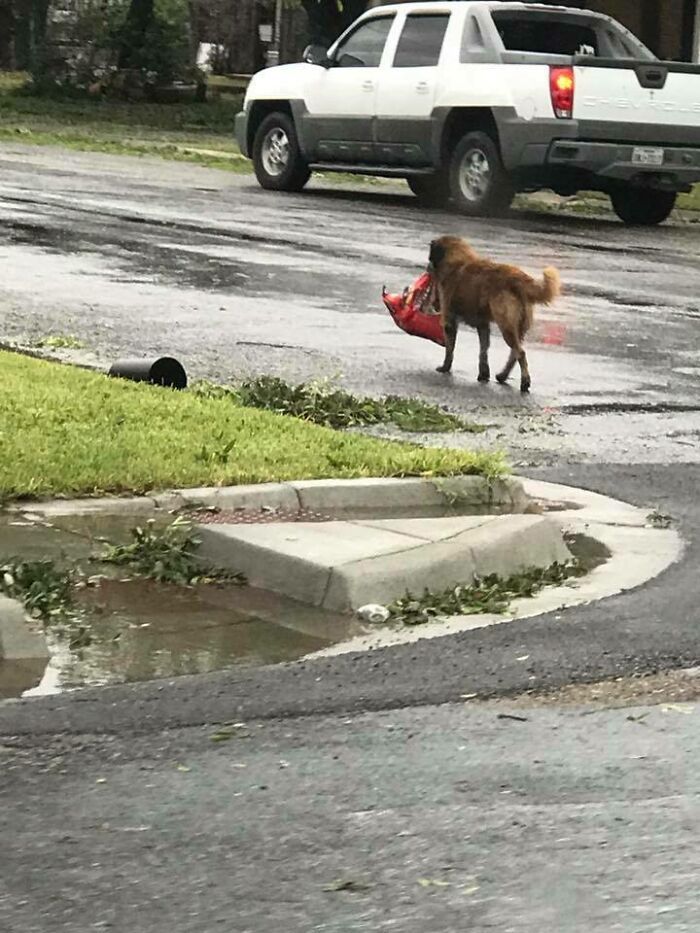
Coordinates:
244 48
294 36
7 35
327 20
138 19
30 29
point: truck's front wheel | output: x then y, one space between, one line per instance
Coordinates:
277 159
479 183
642 207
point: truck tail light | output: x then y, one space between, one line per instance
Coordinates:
561 88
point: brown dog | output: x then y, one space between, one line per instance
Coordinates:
478 291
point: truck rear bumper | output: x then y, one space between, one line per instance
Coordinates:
680 168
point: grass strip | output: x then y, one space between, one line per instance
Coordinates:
66 431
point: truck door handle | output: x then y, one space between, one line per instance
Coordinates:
422 87
368 85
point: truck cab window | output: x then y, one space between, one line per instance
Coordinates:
364 47
421 41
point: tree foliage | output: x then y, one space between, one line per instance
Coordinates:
328 18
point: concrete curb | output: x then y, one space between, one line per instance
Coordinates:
623 528
373 495
17 641
342 565
639 552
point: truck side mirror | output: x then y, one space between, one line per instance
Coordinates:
317 55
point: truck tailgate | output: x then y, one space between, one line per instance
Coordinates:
655 94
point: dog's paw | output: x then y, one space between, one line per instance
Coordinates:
525 385
443 369
484 376
502 378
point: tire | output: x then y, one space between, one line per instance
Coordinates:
277 159
479 183
431 190
642 207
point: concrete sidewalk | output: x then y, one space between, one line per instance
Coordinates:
344 565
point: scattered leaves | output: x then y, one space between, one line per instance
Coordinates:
44 590
79 637
61 342
659 519
235 731
347 884
491 594
321 403
167 555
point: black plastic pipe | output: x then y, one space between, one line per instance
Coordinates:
164 371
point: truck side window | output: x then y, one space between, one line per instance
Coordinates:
364 47
421 40
544 35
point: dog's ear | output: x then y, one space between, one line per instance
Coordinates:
437 254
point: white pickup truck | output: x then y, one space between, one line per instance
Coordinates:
474 101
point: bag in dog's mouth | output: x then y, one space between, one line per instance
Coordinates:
413 310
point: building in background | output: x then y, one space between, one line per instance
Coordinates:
670 28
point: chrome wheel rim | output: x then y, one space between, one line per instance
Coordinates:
474 175
275 151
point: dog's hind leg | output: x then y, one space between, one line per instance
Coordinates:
525 381
449 325
484 331
508 368
517 355
525 324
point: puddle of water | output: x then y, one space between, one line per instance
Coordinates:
590 552
18 676
39 541
141 630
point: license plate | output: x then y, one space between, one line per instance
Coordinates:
644 156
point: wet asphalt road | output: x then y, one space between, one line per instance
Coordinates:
156 257
431 820
159 257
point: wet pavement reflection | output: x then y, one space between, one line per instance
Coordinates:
141 630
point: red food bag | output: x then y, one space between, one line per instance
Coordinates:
409 310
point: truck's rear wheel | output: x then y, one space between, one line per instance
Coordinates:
642 207
479 183
431 190
277 159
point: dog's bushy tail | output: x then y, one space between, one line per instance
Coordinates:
544 292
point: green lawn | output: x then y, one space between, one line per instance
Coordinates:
67 431
192 132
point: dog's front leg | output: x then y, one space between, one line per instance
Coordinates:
449 326
484 341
